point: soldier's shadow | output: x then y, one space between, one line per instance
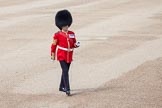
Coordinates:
93 90
86 91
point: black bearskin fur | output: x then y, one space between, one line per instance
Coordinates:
63 18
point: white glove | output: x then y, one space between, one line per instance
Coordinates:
77 44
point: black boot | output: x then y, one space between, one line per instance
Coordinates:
68 93
62 89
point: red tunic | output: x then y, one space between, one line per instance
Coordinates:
63 46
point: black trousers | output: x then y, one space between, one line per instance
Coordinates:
65 75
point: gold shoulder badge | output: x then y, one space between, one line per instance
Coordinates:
54 42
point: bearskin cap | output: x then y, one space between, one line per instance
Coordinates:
63 18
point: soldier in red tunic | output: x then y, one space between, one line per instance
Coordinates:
64 42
